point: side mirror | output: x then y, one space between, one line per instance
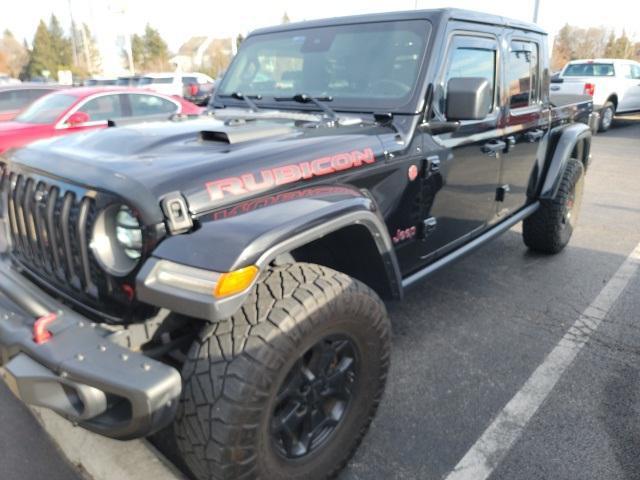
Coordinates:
78 118
468 98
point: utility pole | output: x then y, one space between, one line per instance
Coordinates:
73 36
85 48
536 8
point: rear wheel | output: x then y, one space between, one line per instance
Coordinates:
607 113
287 387
550 228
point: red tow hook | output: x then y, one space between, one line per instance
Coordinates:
40 332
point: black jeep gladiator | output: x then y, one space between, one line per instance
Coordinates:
223 277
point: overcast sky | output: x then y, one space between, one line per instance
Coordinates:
178 21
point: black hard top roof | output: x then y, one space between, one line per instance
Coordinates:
435 15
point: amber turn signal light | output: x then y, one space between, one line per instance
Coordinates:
234 282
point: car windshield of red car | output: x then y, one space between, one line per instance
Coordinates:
47 109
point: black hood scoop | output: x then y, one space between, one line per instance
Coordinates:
233 134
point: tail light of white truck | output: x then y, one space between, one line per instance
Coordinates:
589 89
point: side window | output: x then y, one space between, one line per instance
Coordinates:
105 107
144 105
522 74
471 57
8 100
635 72
625 70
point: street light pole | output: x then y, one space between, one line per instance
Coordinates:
536 8
74 45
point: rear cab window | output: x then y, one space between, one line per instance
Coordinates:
590 69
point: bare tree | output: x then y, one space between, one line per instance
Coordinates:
15 55
573 43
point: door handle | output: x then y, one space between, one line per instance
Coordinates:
534 135
493 147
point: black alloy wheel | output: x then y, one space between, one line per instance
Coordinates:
314 397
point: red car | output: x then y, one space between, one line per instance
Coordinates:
14 98
81 109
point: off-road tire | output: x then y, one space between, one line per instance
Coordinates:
607 112
550 228
235 368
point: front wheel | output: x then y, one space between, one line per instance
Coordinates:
287 387
550 228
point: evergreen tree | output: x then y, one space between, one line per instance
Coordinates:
43 57
61 45
150 51
622 47
156 49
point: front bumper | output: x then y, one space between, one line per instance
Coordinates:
82 372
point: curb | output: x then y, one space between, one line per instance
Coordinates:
103 458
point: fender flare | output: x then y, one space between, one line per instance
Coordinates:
256 233
559 147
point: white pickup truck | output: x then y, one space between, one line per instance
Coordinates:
613 84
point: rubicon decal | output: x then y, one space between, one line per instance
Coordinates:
250 182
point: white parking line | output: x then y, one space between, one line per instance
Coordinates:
496 441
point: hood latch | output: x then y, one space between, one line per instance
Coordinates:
176 211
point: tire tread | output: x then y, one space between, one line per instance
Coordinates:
219 411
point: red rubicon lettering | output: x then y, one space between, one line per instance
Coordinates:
321 166
231 185
252 185
287 174
247 182
365 156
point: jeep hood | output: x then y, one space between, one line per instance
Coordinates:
144 162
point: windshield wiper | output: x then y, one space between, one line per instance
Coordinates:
246 98
317 101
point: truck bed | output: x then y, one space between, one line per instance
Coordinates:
570 107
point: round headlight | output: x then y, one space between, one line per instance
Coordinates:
116 241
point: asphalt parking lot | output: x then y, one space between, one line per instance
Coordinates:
468 339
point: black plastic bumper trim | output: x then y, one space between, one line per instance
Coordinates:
142 393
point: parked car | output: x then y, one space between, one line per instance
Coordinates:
132 81
100 82
14 98
613 84
167 83
87 108
6 79
226 274
197 88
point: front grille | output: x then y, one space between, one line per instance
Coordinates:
50 228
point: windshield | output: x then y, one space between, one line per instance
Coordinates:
47 109
359 66
589 70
